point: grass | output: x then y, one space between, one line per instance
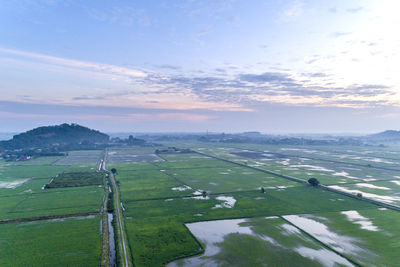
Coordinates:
384 191
155 215
58 242
155 242
10 171
52 202
61 242
380 247
30 200
38 161
87 157
327 153
300 169
73 179
148 184
155 227
132 154
229 178
248 204
248 250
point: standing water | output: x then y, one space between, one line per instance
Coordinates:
111 240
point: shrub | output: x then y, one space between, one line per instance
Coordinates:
313 181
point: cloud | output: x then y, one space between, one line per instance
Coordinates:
16 110
370 89
340 34
167 66
123 15
332 10
172 116
219 70
233 20
389 115
217 89
247 89
315 74
76 64
89 98
270 77
292 11
354 10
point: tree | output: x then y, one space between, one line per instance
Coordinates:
359 195
204 193
114 171
262 190
313 181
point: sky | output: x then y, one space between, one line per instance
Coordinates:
277 66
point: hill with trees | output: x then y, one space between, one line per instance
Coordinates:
63 136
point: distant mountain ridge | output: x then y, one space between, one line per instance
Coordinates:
58 135
389 135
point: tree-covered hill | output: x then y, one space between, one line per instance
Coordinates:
58 135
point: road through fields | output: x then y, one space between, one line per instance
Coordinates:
122 240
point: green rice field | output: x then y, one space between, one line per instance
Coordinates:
220 205
27 236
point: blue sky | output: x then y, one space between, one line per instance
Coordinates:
221 65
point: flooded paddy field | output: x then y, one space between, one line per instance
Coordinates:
140 154
190 161
299 166
256 242
161 197
384 191
178 206
374 156
12 171
159 226
367 237
346 238
27 236
326 172
23 195
83 158
147 181
57 242
232 178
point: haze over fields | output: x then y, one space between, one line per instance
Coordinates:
149 66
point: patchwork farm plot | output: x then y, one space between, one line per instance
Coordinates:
385 191
56 242
43 226
256 241
140 154
160 198
81 160
213 205
327 171
357 237
331 154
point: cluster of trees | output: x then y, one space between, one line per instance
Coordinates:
130 141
